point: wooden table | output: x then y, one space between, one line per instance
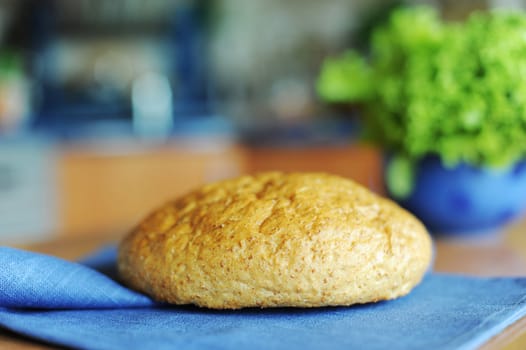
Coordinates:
500 253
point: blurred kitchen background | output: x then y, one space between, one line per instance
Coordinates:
110 107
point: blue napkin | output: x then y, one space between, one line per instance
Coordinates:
81 306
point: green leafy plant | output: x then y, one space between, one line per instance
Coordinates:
430 87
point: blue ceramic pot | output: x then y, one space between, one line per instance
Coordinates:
464 198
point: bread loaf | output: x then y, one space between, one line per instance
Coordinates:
275 240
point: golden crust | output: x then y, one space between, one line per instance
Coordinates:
274 239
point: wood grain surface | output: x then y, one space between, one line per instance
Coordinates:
91 184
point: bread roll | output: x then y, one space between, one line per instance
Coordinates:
276 240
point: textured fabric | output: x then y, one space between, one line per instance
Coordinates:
79 306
